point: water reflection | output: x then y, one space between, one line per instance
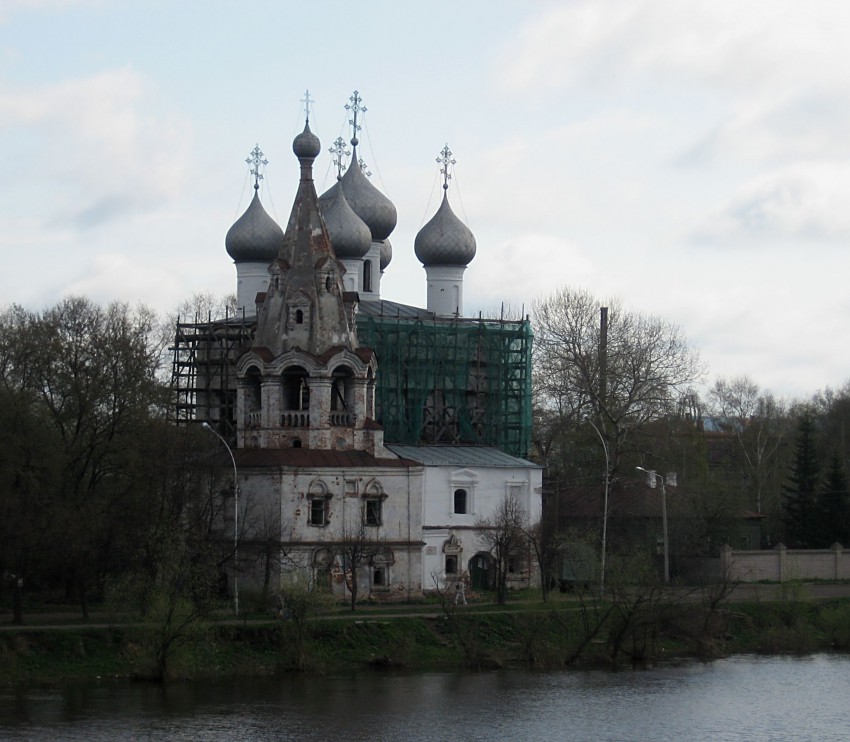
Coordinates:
741 698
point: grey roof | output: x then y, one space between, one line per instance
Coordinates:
445 455
392 310
313 458
445 239
255 236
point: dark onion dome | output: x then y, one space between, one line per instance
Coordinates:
372 206
445 240
255 237
350 237
386 254
306 144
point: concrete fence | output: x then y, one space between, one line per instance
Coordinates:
782 564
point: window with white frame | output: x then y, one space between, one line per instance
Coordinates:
462 492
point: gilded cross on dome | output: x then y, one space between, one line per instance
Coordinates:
256 159
445 159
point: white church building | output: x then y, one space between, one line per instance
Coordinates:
388 519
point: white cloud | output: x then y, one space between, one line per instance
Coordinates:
720 43
807 200
97 143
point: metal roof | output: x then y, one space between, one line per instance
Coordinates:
313 458
452 455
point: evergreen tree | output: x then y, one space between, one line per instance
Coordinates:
801 514
834 505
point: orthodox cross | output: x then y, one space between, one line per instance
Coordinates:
307 100
445 159
355 108
338 151
256 159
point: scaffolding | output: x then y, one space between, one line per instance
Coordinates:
452 380
440 380
203 375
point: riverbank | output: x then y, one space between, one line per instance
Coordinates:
566 633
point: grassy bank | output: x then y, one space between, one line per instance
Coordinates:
532 637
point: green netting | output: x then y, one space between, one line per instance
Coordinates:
452 381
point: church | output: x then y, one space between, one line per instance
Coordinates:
370 438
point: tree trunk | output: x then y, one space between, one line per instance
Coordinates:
18 601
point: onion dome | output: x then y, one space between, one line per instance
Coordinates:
372 206
306 145
255 237
445 239
386 254
350 237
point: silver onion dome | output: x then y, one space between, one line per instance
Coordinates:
306 145
386 254
350 237
372 206
445 239
255 236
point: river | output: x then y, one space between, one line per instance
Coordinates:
739 698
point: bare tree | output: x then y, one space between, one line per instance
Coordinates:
624 378
205 306
355 549
758 423
543 542
505 534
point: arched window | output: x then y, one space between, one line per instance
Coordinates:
451 564
367 275
253 396
299 317
318 500
461 502
341 388
296 390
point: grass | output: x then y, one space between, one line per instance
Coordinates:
525 632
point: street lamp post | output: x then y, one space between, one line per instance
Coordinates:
207 426
604 509
663 519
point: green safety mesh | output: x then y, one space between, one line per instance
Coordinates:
452 381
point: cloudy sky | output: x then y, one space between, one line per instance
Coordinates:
690 158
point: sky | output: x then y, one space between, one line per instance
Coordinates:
690 159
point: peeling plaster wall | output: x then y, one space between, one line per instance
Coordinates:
264 491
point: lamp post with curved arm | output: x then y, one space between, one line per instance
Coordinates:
663 519
605 507
207 426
